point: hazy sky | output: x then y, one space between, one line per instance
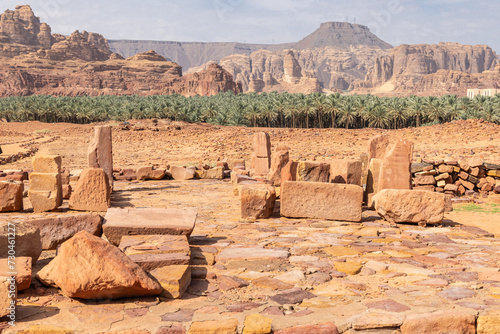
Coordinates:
268 21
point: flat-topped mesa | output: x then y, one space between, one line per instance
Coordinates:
150 55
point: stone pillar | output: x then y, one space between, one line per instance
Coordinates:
262 158
377 147
280 159
395 168
45 191
100 152
372 181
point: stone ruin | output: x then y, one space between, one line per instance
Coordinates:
137 252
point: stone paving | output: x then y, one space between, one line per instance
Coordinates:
367 277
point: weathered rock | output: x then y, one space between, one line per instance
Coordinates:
66 191
372 181
311 171
148 173
88 267
289 172
100 152
410 206
7 298
377 147
395 167
11 196
55 231
220 327
488 323
257 324
229 254
27 240
440 322
424 180
21 266
419 167
47 164
326 328
346 171
181 173
174 280
292 296
147 221
216 173
45 191
154 244
279 160
349 267
92 191
321 201
257 201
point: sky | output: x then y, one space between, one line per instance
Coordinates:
273 21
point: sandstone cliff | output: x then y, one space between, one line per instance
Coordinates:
21 32
138 75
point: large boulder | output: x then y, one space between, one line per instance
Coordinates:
27 239
55 231
410 206
11 196
321 200
92 191
88 267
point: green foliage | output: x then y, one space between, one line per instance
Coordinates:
264 110
488 208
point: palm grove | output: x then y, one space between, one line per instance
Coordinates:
257 110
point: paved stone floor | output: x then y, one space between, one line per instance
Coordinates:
363 277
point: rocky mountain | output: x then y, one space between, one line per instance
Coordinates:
341 35
35 61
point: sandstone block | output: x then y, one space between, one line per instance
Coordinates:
494 173
210 327
174 280
257 201
88 267
488 323
419 167
410 206
100 152
11 196
262 145
47 164
154 244
279 160
326 328
424 180
22 266
311 171
28 242
148 173
216 173
92 191
321 201
66 191
440 322
377 147
346 171
426 188
55 231
372 180
261 166
257 324
230 254
289 172
7 297
395 167
147 221
181 173
45 191
445 169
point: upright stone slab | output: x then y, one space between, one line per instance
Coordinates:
395 167
92 192
147 221
279 160
100 152
377 147
289 172
372 181
262 150
321 201
11 196
347 171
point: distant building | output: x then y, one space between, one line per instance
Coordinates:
471 93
